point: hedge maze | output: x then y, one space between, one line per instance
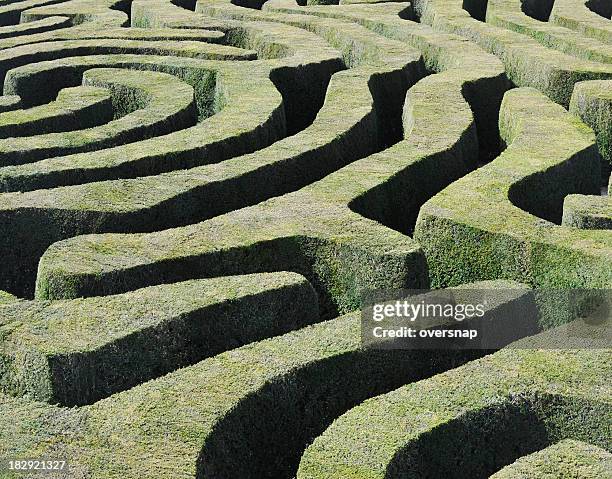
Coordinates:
195 197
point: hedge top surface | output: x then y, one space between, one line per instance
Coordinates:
9 102
77 352
165 13
6 298
440 51
84 105
566 458
61 327
33 28
88 31
592 102
30 55
595 88
99 13
358 44
586 211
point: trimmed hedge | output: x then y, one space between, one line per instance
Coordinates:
76 352
251 114
309 180
472 420
6 298
507 14
9 103
181 197
282 234
98 13
319 244
567 458
269 398
481 75
352 123
600 7
145 104
236 128
74 108
577 16
164 13
588 212
592 102
10 13
527 62
28 56
277 234
96 19
498 221
87 31
33 28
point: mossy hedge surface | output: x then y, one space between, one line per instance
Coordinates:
567 458
588 212
75 352
528 62
34 27
141 102
499 220
77 107
578 16
9 103
511 15
10 12
196 196
6 297
592 102
478 417
270 398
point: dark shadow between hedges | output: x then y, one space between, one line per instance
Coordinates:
479 443
266 434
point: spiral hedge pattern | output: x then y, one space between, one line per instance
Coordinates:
194 196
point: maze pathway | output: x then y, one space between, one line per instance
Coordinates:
196 198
